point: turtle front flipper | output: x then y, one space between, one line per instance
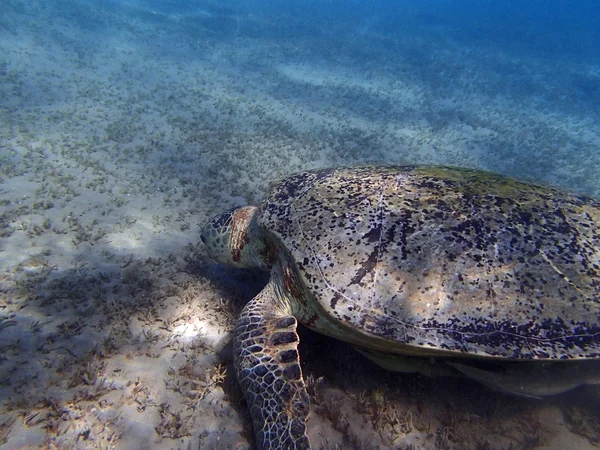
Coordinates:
267 365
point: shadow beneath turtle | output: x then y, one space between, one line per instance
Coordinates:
581 412
235 286
371 407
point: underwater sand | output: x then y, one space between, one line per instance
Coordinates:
123 129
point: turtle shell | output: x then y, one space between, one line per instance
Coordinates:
442 260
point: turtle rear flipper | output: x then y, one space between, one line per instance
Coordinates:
266 360
534 379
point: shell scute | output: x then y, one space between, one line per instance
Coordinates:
438 259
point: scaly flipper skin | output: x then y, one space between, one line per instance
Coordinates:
267 364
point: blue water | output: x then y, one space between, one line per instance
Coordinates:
125 124
541 58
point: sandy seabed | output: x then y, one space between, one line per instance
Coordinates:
122 129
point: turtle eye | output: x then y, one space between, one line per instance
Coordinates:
202 238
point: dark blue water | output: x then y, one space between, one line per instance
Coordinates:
561 35
505 86
125 124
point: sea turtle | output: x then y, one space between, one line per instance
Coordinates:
433 269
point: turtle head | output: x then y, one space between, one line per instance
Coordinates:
233 238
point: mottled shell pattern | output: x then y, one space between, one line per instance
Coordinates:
441 260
